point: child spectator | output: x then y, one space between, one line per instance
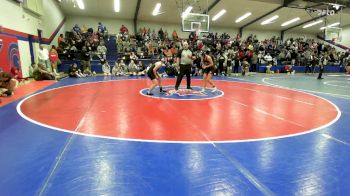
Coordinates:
74 71
106 68
140 69
132 68
245 67
117 69
53 56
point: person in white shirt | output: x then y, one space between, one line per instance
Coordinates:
268 59
101 51
43 57
132 68
117 70
125 71
105 68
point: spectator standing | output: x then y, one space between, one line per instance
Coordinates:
53 56
85 60
44 57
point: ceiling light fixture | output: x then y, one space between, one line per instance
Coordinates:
246 15
187 11
290 21
218 15
331 25
270 20
80 4
312 24
117 5
156 9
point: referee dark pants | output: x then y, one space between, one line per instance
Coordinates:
184 69
320 73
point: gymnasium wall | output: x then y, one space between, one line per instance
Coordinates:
112 25
171 27
14 17
261 35
53 16
298 34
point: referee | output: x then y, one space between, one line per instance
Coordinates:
184 58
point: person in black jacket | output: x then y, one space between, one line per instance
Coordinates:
221 61
323 62
85 60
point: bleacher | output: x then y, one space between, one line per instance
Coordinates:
112 56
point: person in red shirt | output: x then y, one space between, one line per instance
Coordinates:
241 54
14 72
175 36
53 56
200 45
123 29
173 50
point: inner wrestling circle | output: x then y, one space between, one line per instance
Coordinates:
195 93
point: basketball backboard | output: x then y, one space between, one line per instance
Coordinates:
195 22
333 34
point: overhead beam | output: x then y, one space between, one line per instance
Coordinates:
259 18
287 2
303 8
136 15
211 6
316 5
341 2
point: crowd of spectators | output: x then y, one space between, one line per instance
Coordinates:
81 41
228 52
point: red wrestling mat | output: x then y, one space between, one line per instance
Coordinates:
117 109
25 90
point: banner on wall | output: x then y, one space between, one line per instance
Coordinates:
9 54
